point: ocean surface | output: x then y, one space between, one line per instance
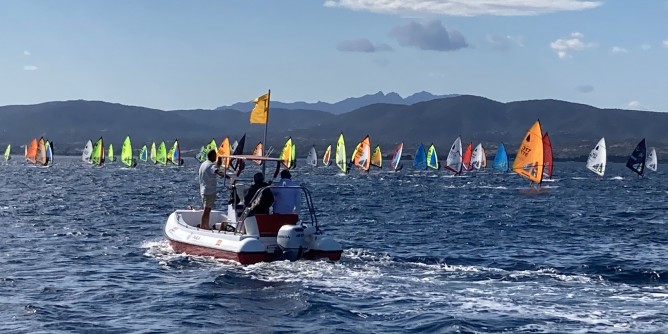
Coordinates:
83 251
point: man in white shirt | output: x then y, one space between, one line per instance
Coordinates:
286 200
207 185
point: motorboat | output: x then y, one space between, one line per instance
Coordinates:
239 236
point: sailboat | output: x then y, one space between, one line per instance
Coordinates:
87 151
111 156
202 155
238 149
466 158
259 152
161 154
224 150
478 159
529 159
143 154
651 161
340 156
40 155
361 157
97 155
326 158
597 158
286 155
454 161
170 154
154 154
420 160
48 149
377 157
126 153
396 158
8 152
501 159
175 154
547 156
637 159
31 151
432 157
312 158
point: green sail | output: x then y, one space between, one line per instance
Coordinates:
7 152
161 155
153 153
143 155
205 150
170 154
97 156
126 153
110 156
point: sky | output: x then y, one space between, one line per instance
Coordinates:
201 54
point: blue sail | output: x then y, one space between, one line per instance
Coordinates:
420 161
501 159
636 161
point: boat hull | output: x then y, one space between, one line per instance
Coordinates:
184 237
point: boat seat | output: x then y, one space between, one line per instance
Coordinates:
268 225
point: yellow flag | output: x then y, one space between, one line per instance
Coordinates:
259 114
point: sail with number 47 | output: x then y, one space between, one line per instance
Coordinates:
529 159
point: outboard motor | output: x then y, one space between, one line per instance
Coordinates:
291 241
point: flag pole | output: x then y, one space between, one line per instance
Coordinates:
264 163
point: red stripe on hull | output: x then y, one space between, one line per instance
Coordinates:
243 258
331 255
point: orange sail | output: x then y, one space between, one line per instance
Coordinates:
40 155
31 152
362 156
224 151
529 160
466 159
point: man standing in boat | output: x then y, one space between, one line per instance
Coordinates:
208 184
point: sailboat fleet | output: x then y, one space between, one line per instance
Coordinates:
458 161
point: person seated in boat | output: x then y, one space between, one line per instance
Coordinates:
265 200
208 184
286 200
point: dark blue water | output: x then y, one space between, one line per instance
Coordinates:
82 251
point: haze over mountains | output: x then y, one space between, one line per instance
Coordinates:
574 128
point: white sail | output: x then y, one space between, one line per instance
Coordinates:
88 149
477 157
454 161
597 158
651 162
312 158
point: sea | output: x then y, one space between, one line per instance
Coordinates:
83 251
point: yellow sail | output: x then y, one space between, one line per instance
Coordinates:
340 156
377 157
286 153
529 160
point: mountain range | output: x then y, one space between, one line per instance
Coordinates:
348 104
574 128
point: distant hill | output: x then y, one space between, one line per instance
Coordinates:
348 104
574 128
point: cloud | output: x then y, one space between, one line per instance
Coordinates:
645 47
430 36
585 89
665 43
30 67
361 45
26 53
636 105
503 43
618 49
464 8
566 47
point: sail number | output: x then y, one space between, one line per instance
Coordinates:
525 150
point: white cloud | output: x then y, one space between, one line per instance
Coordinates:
618 49
465 8
30 67
431 35
645 47
665 43
566 47
26 53
636 105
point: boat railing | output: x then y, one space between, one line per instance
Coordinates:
309 218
